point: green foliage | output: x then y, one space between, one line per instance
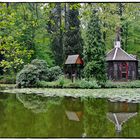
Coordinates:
54 73
32 73
43 67
28 76
56 32
36 103
129 84
23 35
45 84
63 82
59 83
52 31
95 50
109 16
88 84
14 55
73 40
43 46
37 71
98 116
83 84
40 64
91 84
8 79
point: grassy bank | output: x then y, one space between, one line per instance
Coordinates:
83 84
7 86
80 84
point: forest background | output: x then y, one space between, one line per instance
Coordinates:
51 31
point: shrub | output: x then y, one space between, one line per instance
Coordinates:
66 83
37 71
8 79
28 76
88 84
45 84
54 73
39 63
43 67
61 82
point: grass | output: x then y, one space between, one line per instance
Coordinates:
83 84
129 84
7 86
67 83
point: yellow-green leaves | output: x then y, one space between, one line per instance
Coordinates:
14 54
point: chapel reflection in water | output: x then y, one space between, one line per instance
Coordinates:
121 112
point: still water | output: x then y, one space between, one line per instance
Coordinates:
31 115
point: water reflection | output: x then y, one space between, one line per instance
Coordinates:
121 112
32 115
37 103
95 121
73 108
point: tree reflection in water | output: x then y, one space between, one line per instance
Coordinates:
32 115
95 121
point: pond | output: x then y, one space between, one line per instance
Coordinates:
32 115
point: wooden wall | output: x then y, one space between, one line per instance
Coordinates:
114 70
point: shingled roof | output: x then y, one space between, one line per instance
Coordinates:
74 59
119 54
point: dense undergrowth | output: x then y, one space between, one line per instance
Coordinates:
38 74
83 84
7 79
63 82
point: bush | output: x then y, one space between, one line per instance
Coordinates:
28 76
66 83
37 71
43 67
61 82
88 84
44 84
8 79
54 73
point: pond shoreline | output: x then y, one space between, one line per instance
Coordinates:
114 94
13 86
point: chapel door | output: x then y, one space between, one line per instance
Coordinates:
124 71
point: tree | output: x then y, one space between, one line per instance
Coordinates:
55 30
73 43
123 26
95 50
14 55
22 35
13 52
97 119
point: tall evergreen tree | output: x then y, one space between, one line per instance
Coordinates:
123 26
73 40
55 28
95 50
